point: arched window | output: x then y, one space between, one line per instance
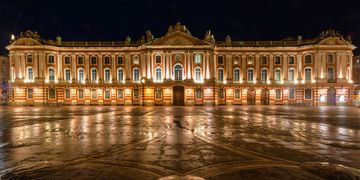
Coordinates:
197 74
120 74
291 74
136 76
94 75
158 74
81 75
330 74
277 75
307 74
236 75
30 74
220 75
67 75
264 75
250 75
107 75
178 72
51 74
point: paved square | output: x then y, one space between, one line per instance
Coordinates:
154 142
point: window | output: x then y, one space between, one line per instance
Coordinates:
220 60
67 93
30 74
157 59
236 75
197 74
51 59
237 94
220 75
322 98
178 72
158 93
341 98
236 60
107 93
330 58
29 58
158 75
67 75
30 93
136 75
308 59
291 93
291 60
277 60
52 93
264 60
80 60
250 60
278 94
307 74
107 75
93 93
94 75
198 93
81 93
93 60
81 75
264 75
107 60
136 93
51 74
308 94
277 75
67 60
250 75
120 60
291 75
120 94
135 59
330 74
221 94
197 58
120 75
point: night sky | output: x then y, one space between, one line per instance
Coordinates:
114 20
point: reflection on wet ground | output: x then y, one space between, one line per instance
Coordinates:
153 142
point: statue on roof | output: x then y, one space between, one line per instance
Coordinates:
178 28
209 37
30 34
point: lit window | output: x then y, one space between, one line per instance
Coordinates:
178 72
220 60
291 93
93 93
307 74
291 60
278 94
220 75
93 60
341 98
277 75
107 60
120 60
308 94
51 74
67 75
80 60
120 74
107 93
330 74
51 59
264 75
93 75
250 60
67 93
158 75
277 60
52 93
30 94
120 94
30 74
197 59
81 93
80 75
197 75
236 75
67 60
308 59
291 75
198 93
135 59
136 75
236 60
250 75
29 58
107 75
157 59
237 94
322 98
263 60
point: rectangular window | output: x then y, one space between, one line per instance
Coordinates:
308 59
277 60
278 94
120 60
198 93
158 94
220 60
136 93
197 58
93 60
236 60
29 58
250 60
107 94
330 58
67 60
120 94
67 93
107 60
291 74
263 60
291 60
52 93
51 59
81 93
80 60
158 59
308 94
30 94
237 94
94 93
291 93
221 93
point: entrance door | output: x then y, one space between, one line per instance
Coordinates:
251 97
178 95
331 97
265 95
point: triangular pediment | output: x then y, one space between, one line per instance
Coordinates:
333 41
178 39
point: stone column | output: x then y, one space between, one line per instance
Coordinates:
128 69
285 67
113 67
207 66
228 68
271 69
59 66
188 65
257 68
243 68
299 63
73 67
100 68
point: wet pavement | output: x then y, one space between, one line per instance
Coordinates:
229 142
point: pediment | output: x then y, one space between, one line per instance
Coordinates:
26 42
178 39
333 41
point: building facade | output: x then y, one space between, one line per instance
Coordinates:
4 79
180 69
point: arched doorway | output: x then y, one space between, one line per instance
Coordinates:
265 97
331 97
251 97
178 95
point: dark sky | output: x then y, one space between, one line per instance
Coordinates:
114 20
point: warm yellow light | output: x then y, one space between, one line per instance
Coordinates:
12 37
302 81
224 81
313 81
268 82
143 80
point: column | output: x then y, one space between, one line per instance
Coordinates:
73 67
351 67
207 66
188 61
271 69
113 67
285 65
257 68
299 63
36 65
100 68
59 67
143 65
167 66
127 69
228 69
243 67
212 65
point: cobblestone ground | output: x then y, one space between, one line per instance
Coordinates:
105 142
